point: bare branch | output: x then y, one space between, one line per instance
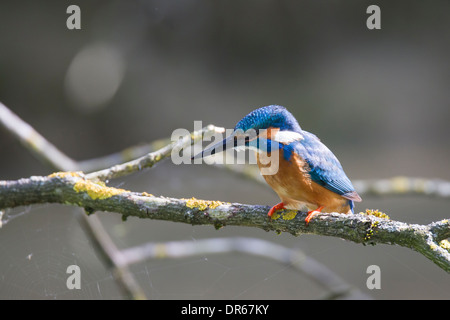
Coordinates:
404 185
399 185
125 155
34 142
150 159
324 277
106 247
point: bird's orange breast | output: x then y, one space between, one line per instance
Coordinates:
293 184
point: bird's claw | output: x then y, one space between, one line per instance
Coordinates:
275 208
312 213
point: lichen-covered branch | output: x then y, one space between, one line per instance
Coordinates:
73 188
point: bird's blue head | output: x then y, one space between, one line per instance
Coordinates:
250 129
270 116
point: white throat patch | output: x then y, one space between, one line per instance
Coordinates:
287 137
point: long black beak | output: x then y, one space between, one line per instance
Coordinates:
225 144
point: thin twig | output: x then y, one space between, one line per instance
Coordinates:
106 247
128 154
294 258
152 158
34 142
395 186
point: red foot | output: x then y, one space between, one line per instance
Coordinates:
312 214
276 207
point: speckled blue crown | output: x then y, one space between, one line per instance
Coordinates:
269 116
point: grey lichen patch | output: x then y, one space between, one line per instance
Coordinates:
222 214
445 244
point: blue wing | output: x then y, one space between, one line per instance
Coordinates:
325 167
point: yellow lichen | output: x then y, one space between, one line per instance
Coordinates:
372 230
195 203
96 190
215 204
289 215
66 174
275 216
202 204
376 213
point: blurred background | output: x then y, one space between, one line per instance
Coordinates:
137 70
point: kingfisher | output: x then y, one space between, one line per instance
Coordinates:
306 175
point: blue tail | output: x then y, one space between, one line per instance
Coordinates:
352 205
